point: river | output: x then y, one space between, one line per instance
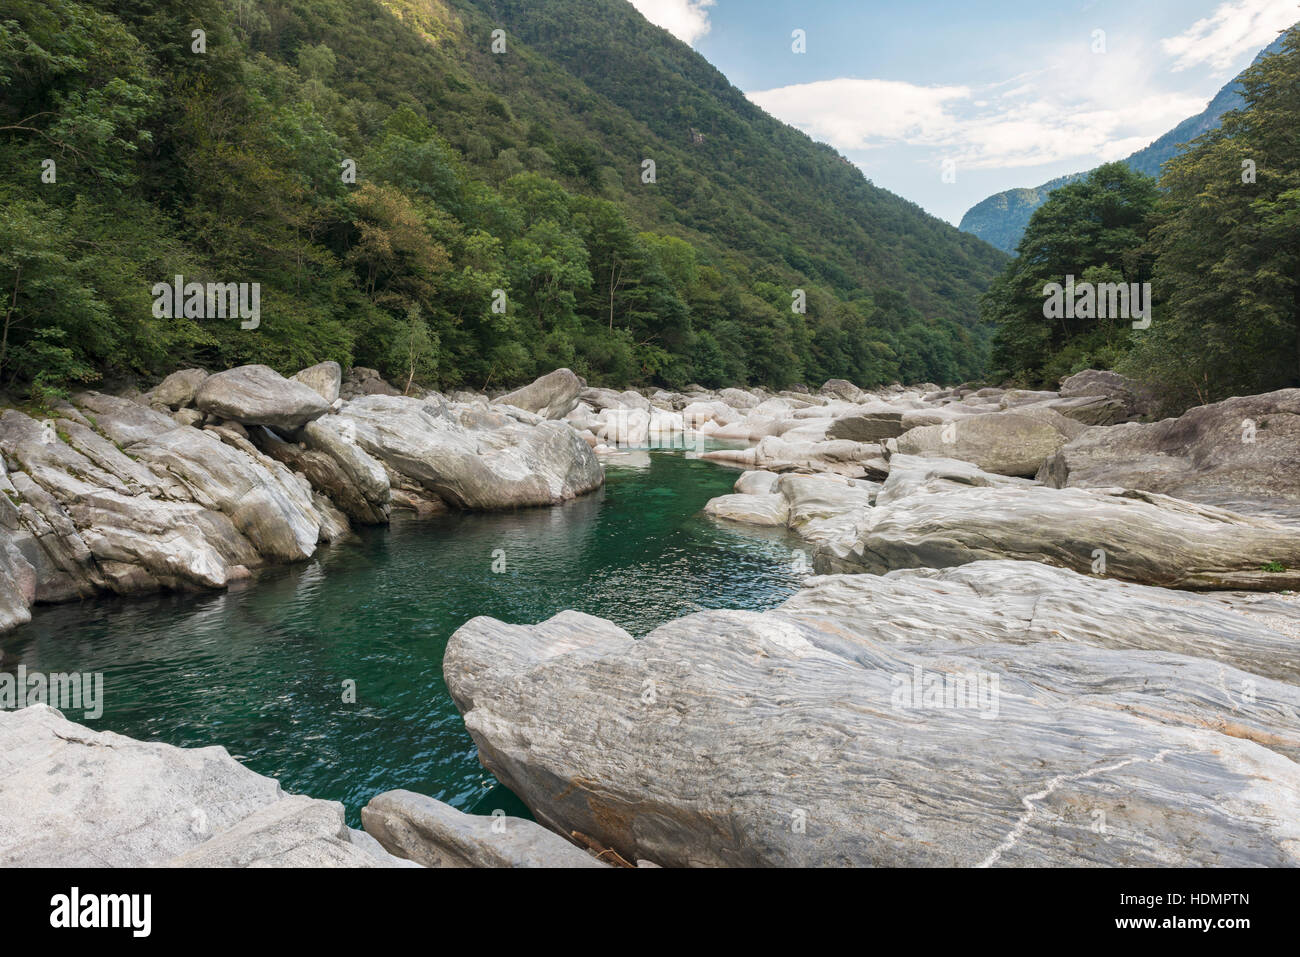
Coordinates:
261 668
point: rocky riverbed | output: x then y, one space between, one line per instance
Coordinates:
1046 630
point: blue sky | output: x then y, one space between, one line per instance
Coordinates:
1005 93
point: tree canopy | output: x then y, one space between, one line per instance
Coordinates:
497 224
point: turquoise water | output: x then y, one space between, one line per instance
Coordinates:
260 669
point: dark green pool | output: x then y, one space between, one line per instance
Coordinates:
260 669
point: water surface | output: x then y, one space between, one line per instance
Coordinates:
260 668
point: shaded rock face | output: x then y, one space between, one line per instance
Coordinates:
1131 535
1130 399
1242 453
17 581
1006 443
178 389
73 797
809 735
867 426
553 396
435 834
362 381
258 395
345 472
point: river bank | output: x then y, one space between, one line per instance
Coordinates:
1043 612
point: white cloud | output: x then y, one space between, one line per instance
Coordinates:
1024 127
1234 29
859 114
1077 106
688 20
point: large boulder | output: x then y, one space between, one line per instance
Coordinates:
553 396
1241 453
344 471
435 834
841 389
763 509
258 395
40 530
362 381
271 507
867 426
740 398
512 465
178 389
324 378
17 584
91 521
987 715
1131 535
1132 399
74 797
1007 443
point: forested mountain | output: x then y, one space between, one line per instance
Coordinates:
500 223
1001 219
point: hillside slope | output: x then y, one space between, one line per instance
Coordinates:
498 224
804 204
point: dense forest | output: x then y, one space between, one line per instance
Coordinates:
1218 238
456 206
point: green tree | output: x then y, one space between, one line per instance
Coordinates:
1227 246
1099 223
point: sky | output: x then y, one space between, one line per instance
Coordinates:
946 102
